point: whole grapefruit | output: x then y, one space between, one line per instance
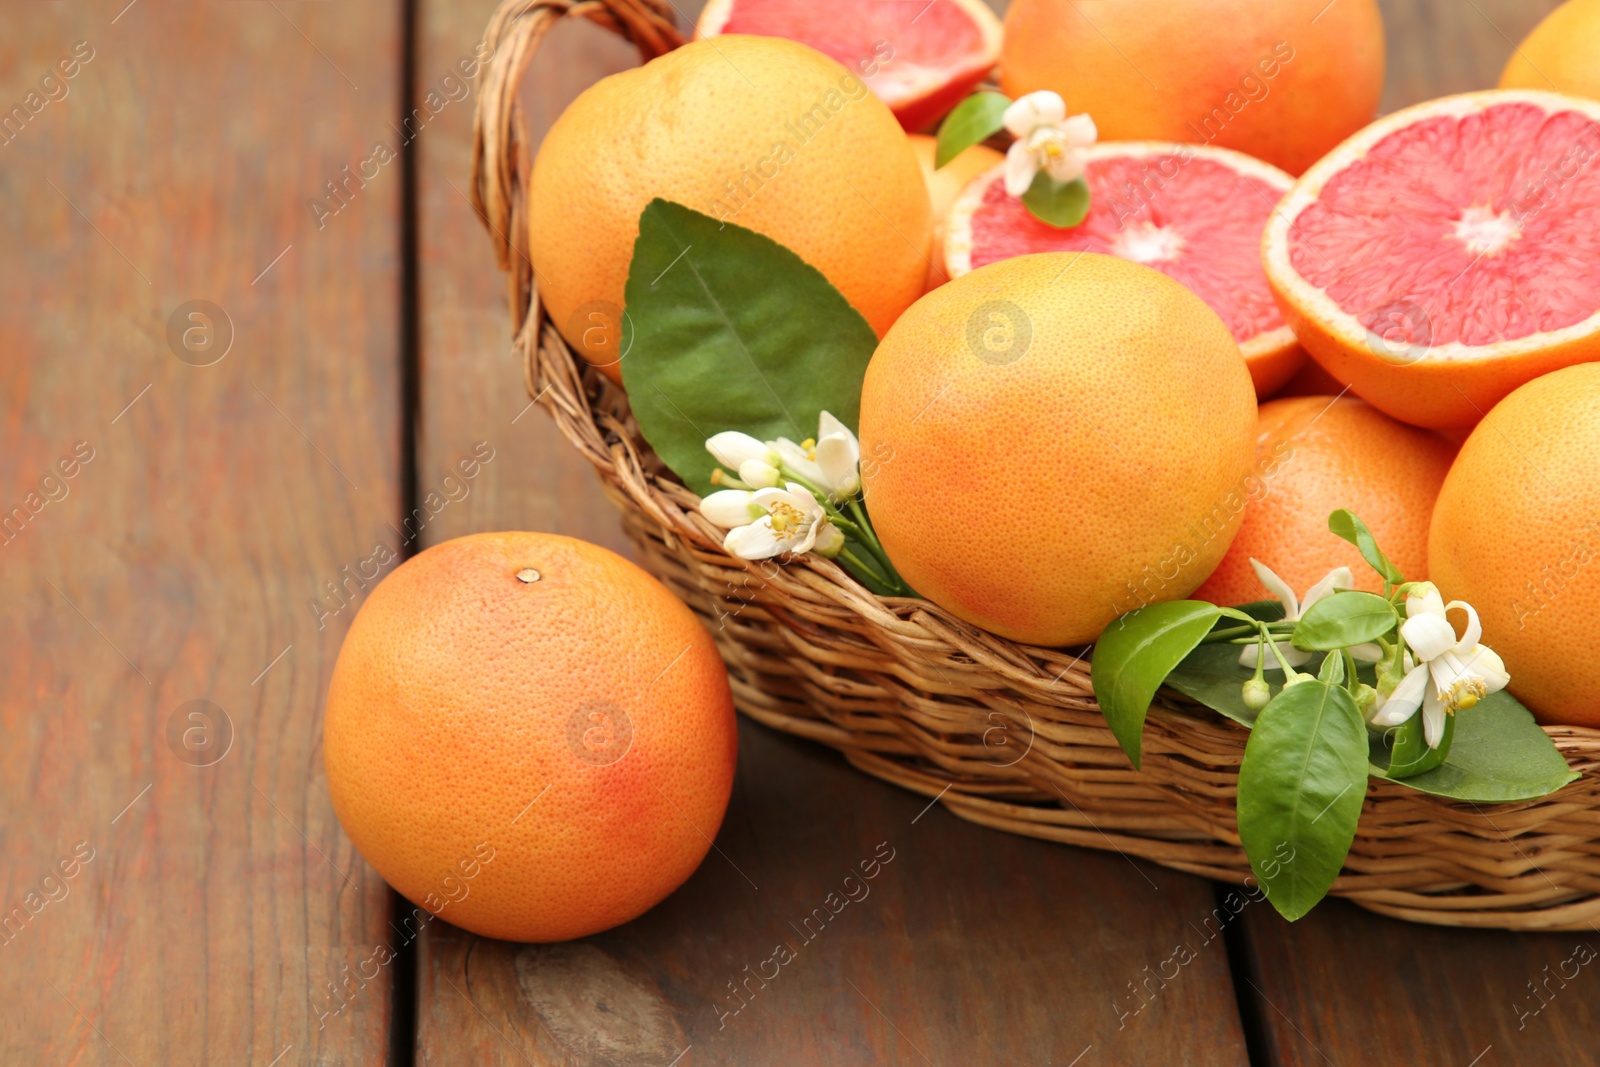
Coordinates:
1315 455
1054 440
944 187
1561 54
1516 534
756 131
529 736
1281 80
1444 255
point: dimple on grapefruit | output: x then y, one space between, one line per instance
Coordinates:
919 59
757 131
1516 534
1194 213
1447 254
1315 455
1054 440
529 736
945 185
1283 80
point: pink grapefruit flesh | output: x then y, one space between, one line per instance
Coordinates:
1448 253
919 58
1192 212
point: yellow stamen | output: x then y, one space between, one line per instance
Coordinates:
717 476
1052 150
786 517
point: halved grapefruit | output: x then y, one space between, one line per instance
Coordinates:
1193 212
1448 253
920 58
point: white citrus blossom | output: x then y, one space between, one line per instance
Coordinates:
1444 673
1046 139
1294 608
831 461
772 522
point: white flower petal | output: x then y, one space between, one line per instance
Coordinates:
1428 601
1027 113
1370 652
798 460
1474 632
1278 588
1429 636
1405 700
1080 131
759 474
828 425
1020 169
1065 166
1334 580
733 449
1487 664
755 541
728 508
839 456
1432 719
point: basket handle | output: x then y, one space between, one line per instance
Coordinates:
501 158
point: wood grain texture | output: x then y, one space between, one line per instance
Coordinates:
968 947
1343 986
211 896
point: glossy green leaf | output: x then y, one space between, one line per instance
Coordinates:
1409 754
1344 619
1300 790
1345 524
1498 754
732 331
973 121
1059 204
1134 656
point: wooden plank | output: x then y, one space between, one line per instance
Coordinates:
970 947
1344 986
175 888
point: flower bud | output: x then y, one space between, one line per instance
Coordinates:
830 542
759 474
1365 697
1257 694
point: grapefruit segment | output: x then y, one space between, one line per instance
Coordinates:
920 59
1448 253
1192 212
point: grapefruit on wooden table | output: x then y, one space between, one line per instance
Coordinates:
1191 212
529 736
1315 455
945 185
1561 54
1054 440
1283 80
920 58
1446 254
761 132
1516 534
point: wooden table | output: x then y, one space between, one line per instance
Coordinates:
254 317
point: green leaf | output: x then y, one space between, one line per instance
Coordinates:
1498 754
1300 790
732 331
1410 754
1345 524
1342 620
973 121
1134 656
1059 204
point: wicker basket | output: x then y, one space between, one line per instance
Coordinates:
1001 734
